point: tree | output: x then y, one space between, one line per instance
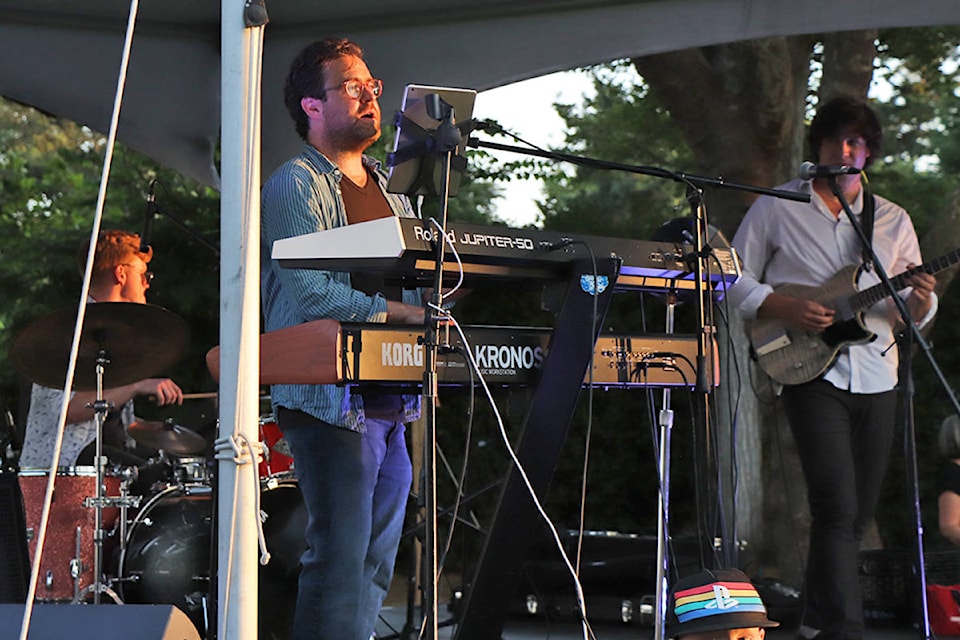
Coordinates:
49 182
740 111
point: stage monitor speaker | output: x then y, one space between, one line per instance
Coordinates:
99 622
14 559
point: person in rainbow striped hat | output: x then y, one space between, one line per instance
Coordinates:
718 604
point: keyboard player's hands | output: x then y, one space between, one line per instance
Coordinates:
400 313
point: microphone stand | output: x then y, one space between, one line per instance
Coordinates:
443 143
700 264
157 209
910 335
193 234
663 499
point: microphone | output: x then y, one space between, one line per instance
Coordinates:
148 214
490 126
810 170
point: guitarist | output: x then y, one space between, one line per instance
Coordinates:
843 420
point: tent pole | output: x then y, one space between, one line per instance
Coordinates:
238 484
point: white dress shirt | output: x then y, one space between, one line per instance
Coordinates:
783 241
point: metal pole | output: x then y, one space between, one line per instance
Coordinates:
663 500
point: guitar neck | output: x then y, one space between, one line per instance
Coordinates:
872 295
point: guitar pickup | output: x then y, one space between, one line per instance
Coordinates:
768 343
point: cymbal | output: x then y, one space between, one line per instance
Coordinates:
139 340
170 437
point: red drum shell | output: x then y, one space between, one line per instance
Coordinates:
67 516
277 460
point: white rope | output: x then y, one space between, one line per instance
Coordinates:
81 312
241 451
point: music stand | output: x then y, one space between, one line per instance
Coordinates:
427 160
422 140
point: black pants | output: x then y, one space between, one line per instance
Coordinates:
844 441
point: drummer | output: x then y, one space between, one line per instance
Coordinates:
120 274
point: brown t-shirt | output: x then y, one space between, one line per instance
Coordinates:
364 204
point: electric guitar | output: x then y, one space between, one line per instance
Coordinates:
794 356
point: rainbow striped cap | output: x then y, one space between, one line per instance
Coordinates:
715 599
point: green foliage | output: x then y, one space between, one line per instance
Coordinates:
922 143
623 124
49 186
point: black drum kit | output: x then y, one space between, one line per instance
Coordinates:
146 533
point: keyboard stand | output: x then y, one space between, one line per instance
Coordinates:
513 529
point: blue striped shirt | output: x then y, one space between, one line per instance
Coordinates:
303 196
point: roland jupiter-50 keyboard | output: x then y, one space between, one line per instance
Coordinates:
404 248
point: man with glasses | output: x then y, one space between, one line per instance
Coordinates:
120 274
350 456
842 420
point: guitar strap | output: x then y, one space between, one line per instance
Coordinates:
866 221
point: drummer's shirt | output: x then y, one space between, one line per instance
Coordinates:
41 431
43 421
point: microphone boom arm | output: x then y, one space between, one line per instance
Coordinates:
657 172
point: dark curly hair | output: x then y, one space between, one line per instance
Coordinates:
305 78
839 114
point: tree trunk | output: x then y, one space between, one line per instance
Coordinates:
742 110
740 107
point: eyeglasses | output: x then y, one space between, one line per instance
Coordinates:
354 87
146 276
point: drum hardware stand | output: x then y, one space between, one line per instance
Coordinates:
126 501
101 408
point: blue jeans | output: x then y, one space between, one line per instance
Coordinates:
843 440
355 488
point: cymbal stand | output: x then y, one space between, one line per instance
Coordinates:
101 408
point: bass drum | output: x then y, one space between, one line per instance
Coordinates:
167 559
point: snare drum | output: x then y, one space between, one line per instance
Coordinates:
277 457
195 470
67 565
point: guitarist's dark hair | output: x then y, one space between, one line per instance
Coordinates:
842 113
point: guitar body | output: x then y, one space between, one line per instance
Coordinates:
793 356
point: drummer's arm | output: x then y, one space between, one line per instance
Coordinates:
162 390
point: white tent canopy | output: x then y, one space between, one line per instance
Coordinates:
62 57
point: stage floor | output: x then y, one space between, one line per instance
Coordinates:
523 628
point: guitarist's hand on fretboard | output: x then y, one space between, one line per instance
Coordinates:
919 301
808 315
